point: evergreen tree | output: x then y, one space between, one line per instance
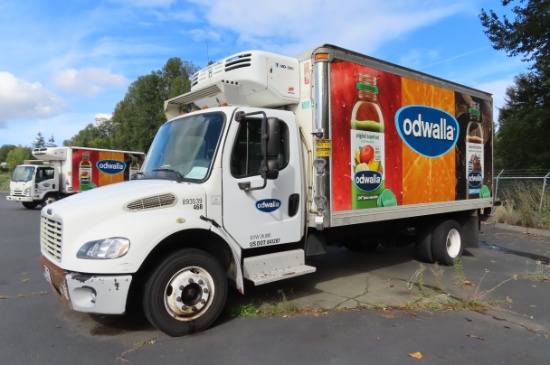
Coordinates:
523 134
39 142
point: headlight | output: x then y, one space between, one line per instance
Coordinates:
27 192
108 248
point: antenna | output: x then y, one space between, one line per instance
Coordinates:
207 55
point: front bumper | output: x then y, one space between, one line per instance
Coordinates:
104 294
14 198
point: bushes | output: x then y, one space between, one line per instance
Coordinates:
521 207
4 180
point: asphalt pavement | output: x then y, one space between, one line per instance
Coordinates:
358 308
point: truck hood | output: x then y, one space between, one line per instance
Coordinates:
112 199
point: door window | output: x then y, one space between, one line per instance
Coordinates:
247 155
44 173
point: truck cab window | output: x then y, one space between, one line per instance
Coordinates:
44 174
246 157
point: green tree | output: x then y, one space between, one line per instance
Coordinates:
51 142
98 135
525 35
39 142
4 150
521 141
524 133
18 155
138 116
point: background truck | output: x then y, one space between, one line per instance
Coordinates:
286 156
61 171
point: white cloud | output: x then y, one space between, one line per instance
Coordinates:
416 58
100 118
362 25
87 81
20 99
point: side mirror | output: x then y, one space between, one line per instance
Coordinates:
271 146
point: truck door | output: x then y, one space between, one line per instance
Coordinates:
46 180
271 215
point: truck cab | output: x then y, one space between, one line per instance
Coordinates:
32 182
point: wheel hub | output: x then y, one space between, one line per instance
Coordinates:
188 293
453 243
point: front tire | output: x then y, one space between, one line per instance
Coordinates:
49 199
186 293
30 205
447 242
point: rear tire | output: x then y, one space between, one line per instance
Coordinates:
424 245
186 293
447 242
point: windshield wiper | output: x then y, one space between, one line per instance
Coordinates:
177 173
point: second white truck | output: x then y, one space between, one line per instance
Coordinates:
286 156
59 172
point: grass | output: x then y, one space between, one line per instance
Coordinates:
4 180
277 307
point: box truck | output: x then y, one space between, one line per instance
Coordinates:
282 157
58 172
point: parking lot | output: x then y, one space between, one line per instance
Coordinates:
381 308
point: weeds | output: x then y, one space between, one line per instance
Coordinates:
522 207
278 307
480 299
471 299
417 279
459 271
541 273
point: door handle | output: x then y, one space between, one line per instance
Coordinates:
293 204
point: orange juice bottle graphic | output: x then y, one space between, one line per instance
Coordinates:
85 173
474 152
367 145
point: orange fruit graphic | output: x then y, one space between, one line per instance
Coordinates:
428 179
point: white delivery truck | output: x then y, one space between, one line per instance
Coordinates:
58 172
286 156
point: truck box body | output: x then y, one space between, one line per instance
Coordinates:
62 171
431 153
285 156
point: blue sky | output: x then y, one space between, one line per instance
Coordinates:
65 63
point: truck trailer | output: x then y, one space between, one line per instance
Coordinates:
59 172
267 160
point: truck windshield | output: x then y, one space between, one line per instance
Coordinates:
22 173
183 149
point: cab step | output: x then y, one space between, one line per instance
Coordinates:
276 266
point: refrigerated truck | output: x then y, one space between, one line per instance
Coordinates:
284 156
59 172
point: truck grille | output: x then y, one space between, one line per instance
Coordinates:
51 238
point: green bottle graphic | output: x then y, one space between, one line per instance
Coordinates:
85 172
367 145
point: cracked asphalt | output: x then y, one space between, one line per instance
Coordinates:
381 308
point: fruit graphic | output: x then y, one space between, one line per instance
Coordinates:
366 154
